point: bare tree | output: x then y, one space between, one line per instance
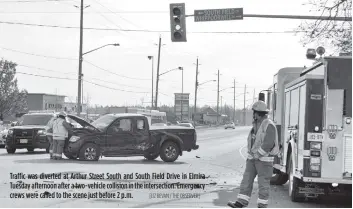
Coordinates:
12 100
328 32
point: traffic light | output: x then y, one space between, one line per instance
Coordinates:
177 22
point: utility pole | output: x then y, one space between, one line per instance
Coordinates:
218 97
196 83
244 113
158 63
254 96
80 62
182 94
234 102
152 58
221 104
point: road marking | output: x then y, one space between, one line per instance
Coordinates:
241 153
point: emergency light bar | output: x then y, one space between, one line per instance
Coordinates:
41 111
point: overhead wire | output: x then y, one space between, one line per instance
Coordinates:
151 31
39 55
71 73
114 72
75 79
32 1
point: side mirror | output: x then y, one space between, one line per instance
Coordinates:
262 97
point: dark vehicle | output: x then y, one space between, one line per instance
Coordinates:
29 133
123 135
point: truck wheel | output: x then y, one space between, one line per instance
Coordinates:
11 150
294 183
279 179
151 156
30 149
169 151
89 152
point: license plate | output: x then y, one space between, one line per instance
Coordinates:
315 137
23 141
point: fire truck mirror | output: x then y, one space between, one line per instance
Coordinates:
262 97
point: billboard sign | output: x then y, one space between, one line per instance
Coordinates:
181 105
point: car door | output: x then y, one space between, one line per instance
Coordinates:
119 135
141 135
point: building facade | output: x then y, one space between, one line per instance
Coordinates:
45 102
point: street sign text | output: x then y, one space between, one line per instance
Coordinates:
218 14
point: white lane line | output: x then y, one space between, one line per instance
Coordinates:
241 153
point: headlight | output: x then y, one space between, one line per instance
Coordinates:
41 132
10 132
348 120
74 138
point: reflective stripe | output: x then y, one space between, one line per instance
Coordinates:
244 197
267 159
261 151
261 201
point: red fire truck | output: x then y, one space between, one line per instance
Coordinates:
312 109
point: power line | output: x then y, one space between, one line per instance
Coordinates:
66 12
38 55
44 76
71 73
75 79
113 72
152 31
32 1
114 88
43 69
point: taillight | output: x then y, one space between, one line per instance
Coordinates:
315 160
315 146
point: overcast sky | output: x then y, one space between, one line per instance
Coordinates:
250 59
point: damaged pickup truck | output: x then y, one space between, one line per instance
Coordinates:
126 135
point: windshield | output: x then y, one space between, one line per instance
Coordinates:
184 125
36 120
103 122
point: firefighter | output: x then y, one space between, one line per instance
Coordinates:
61 130
262 147
49 131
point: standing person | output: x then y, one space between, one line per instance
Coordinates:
61 130
49 130
262 147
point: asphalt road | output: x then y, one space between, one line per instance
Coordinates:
220 158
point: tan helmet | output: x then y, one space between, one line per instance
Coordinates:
260 106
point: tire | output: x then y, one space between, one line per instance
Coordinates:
294 184
151 157
30 149
279 179
89 152
11 150
169 151
70 156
